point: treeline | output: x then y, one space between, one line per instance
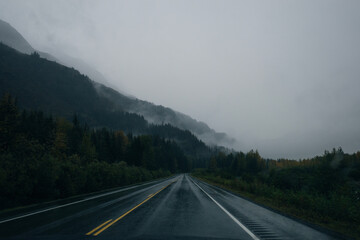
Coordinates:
44 158
187 141
324 189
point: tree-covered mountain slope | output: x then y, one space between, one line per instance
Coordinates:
61 91
158 114
152 113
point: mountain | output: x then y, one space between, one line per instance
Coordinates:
39 84
155 114
9 36
12 38
82 67
158 114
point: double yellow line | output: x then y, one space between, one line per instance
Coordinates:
102 227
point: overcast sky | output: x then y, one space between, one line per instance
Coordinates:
282 77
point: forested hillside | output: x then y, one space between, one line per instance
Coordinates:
155 114
61 91
158 114
44 158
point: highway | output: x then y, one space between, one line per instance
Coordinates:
176 208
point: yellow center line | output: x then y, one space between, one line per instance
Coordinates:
89 233
113 222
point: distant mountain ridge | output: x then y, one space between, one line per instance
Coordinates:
156 114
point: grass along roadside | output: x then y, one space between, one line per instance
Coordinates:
287 206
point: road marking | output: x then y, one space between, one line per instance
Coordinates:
229 214
89 233
103 228
72 203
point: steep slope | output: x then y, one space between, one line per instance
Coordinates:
12 38
152 113
61 91
158 114
82 67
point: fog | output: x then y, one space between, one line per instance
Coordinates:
282 77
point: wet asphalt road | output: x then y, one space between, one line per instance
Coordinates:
177 208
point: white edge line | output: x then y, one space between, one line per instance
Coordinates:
72 203
229 214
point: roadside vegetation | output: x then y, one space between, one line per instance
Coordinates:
44 158
324 190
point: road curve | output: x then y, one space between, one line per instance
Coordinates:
177 208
